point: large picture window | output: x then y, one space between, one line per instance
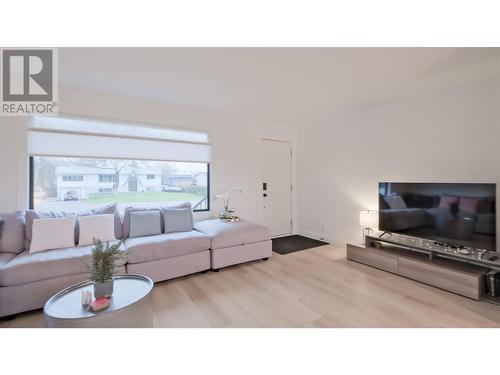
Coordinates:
81 163
75 184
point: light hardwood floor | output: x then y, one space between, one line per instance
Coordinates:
311 288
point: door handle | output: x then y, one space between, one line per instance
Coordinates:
264 195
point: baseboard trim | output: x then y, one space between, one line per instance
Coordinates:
282 235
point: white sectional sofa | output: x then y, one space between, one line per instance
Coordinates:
27 279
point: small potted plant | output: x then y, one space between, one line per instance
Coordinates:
103 266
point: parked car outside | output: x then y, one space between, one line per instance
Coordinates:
172 188
71 195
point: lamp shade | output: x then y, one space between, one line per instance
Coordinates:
368 219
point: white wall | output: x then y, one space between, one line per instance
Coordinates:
13 164
450 136
236 160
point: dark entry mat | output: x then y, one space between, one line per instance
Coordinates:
291 244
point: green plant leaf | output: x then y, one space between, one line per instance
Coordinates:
104 259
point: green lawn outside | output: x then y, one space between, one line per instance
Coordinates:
141 197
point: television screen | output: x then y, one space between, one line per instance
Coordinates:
456 214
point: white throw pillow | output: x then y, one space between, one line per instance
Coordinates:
100 227
53 233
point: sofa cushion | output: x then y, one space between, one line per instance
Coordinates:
104 210
447 200
5 258
32 215
53 233
185 205
12 237
224 234
177 220
25 267
485 224
486 205
128 210
468 204
395 202
126 217
147 249
101 227
415 200
486 218
145 223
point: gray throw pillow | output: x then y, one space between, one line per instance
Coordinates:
180 205
395 202
12 237
145 223
126 217
177 220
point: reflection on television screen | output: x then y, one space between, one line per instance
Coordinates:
462 214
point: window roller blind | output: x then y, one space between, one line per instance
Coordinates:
84 138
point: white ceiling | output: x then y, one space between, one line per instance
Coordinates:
295 85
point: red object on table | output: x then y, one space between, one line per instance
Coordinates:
100 304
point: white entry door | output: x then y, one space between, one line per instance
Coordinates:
277 186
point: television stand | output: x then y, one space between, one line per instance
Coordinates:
435 249
423 260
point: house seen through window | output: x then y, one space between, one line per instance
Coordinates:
75 184
106 178
72 178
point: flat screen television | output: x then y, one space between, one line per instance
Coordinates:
457 214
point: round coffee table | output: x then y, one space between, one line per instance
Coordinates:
130 307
